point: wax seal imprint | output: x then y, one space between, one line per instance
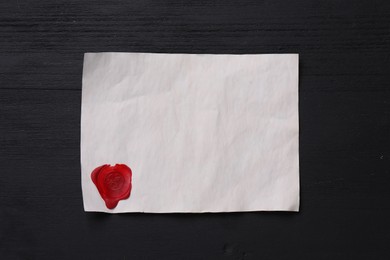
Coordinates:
113 183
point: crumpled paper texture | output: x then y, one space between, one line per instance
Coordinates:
201 133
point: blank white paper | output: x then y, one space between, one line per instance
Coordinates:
201 133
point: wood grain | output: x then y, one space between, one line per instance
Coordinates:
344 49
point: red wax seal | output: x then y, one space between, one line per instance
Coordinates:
113 183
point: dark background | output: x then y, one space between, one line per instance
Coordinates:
344 49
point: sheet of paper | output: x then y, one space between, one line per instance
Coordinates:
200 133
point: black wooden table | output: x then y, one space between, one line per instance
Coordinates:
344 49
